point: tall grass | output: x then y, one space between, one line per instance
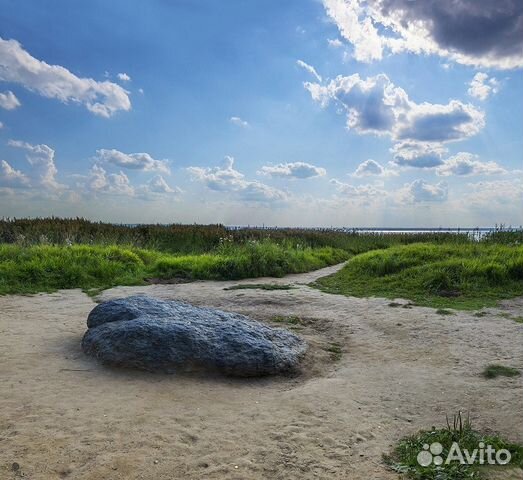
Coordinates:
177 238
49 253
46 267
469 275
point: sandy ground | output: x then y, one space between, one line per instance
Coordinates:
402 369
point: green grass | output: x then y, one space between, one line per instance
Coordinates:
44 268
192 239
261 286
509 316
494 370
335 351
403 459
290 319
460 276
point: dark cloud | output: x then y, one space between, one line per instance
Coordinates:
471 27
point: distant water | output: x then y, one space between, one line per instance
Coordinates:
477 232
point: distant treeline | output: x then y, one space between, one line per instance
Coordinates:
178 238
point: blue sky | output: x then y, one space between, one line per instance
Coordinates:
334 112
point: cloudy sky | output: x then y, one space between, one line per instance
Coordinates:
303 112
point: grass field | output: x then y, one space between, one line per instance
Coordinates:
465 276
43 268
436 269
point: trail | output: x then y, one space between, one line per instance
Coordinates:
62 415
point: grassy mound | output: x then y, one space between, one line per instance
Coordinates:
43 268
465 276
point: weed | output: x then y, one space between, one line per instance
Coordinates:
494 370
404 458
291 319
335 350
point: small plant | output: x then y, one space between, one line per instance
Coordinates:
335 350
480 314
444 311
291 319
494 370
431 454
261 286
517 319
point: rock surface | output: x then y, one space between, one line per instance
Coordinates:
150 334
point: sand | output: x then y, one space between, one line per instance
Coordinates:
63 415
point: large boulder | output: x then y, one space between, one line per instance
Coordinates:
150 334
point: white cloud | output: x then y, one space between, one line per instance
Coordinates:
8 100
365 191
310 69
467 164
361 33
135 161
239 122
376 106
496 198
372 168
418 154
229 180
420 191
334 42
293 170
481 86
124 77
41 159
471 32
9 177
99 181
54 81
158 185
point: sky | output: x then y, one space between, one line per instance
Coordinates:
355 113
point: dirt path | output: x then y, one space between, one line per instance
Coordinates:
64 416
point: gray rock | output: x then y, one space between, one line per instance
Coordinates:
149 334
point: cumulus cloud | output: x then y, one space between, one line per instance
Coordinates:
418 154
239 122
158 185
481 86
471 32
135 161
54 81
376 106
99 181
11 178
361 191
372 168
420 191
41 158
299 170
8 100
310 69
226 178
467 164
124 77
